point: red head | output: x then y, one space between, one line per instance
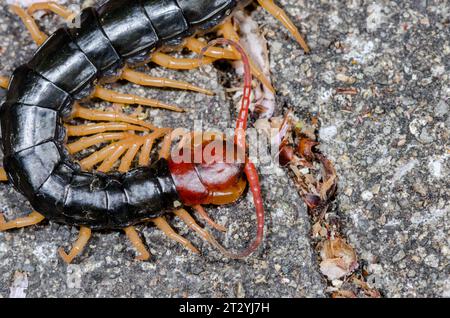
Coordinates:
213 172
216 178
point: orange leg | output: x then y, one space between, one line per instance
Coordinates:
162 224
281 16
78 246
228 32
92 128
144 157
115 97
127 160
147 147
109 161
32 219
38 36
90 141
53 7
99 115
4 82
164 152
196 138
150 81
195 45
190 222
101 155
201 211
134 238
173 63
3 176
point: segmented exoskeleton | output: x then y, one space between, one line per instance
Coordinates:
68 67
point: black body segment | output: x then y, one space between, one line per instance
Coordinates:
49 199
167 18
29 88
128 27
155 183
27 126
86 201
205 14
60 61
30 168
65 69
95 44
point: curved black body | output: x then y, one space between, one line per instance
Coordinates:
65 69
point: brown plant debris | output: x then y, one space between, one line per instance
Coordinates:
317 182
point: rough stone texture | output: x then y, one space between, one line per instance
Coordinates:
389 143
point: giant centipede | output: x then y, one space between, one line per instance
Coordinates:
69 66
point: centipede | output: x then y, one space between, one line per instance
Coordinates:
119 186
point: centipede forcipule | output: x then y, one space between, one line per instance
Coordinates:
67 68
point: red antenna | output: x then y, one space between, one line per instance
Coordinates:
239 135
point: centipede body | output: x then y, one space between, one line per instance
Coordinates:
66 69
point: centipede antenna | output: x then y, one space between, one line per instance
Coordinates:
228 32
241 122
249 169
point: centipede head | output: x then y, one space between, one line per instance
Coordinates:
214 170
209 173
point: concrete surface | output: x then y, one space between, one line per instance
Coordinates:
389 143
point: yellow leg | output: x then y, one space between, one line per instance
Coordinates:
127 160
78 246
3 176
228 32
162 224
173 63
201 211
190 222
95 128
38 36
150 81
149 140
164 152
115 116
53 7
90 141
144 157
108 162
134 238
4 82
281 16
195 45
196 138
32 219
115 97
104 153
